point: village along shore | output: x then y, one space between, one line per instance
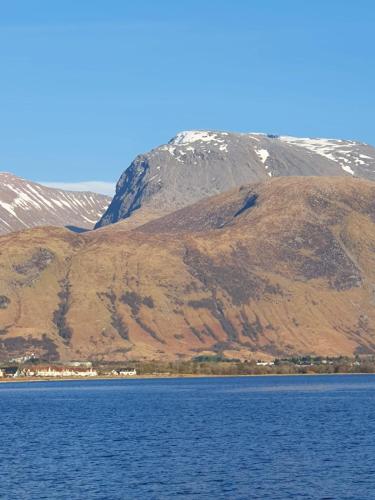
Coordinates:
28 369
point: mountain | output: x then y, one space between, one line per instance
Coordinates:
25 204
275 268
197 164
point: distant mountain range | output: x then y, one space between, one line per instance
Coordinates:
25 204
279 261
197 164
191 166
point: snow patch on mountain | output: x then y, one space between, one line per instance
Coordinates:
190 136
337 150
263 154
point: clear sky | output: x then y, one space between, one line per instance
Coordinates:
87 84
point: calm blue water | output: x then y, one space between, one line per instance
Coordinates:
240 438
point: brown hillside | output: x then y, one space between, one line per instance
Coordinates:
277 268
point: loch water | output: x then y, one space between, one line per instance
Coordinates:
293 437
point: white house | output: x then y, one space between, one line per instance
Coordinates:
128 372
265 363
124 373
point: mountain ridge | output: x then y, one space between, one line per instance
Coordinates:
25 204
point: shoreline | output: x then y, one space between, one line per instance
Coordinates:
165 377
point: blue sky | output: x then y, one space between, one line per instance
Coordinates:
88 84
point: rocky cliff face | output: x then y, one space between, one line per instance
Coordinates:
25 204
276 268
197 164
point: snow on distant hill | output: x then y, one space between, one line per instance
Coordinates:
25 204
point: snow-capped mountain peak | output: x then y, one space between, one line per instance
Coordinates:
195 164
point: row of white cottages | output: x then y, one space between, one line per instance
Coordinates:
58 371
48 371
